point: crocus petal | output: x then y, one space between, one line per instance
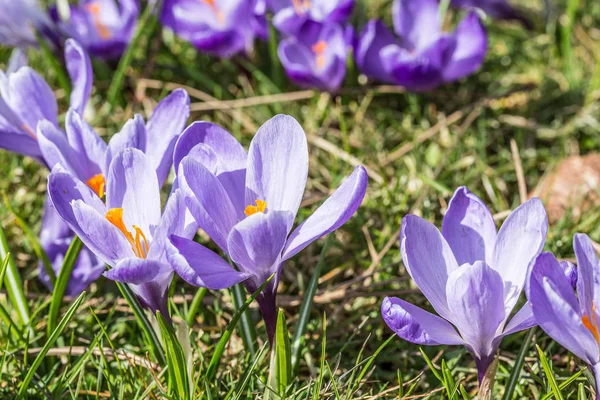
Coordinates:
374 37
332 214
588 273
255 244
520 239
416 325
523 319
30 97
79 66
88 146
278 165
416 22
18 59
469 228
428 259
556 310
164 127
231 157
57 150
208 201
132 135
200 266
64 188
132 185
99 235
20 143
288 21
135 270
476 297
470 50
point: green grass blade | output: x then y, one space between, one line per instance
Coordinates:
144 323
14 284
280 373
307 302
319 385
515 373
61 75
247 328
147 21
196 303
33 240
179 381
61 283
368 364
51 340
216 358
549 374
566 383
3 269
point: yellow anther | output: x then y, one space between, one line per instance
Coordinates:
97 184
319 49
592 324
103 31
215 9
260 206
139 244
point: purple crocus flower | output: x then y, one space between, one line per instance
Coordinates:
290 15
471 275
316 55
422 57
19 21
26 99
570 320
127 232
84 153
247 204
499 9
55 238
103 27
220 27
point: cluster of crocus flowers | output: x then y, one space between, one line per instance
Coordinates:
472 276
219 27
103 27
569 319
247 203
422 56
126 228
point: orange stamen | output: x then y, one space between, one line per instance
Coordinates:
139 244
260 206
29 131
103 31
319 49
299 6
97 184
592 325
215 9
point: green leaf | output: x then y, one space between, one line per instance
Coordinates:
216 358
143 321
280 370
179 380
515 373
14 284
246 329
147 21
196 303
61 283
317 388
566 383
3 269
51 340
307 302
549 374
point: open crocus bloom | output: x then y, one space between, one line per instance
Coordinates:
500 9
291 14
220 27
27 99
471 275
570 320
55 238
247 204
104 27
316 55
84 153
422 57
127 232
